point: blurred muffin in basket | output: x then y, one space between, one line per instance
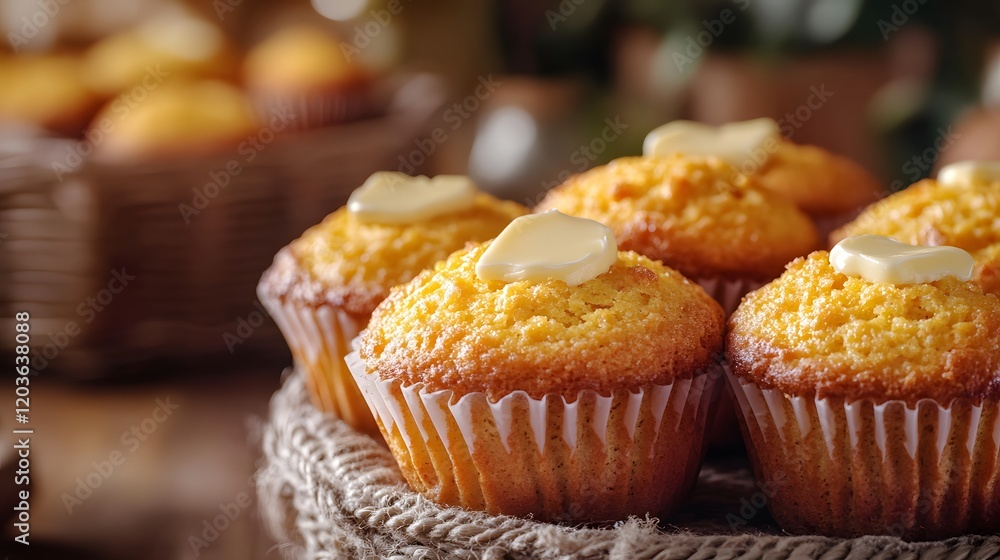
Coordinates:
173 45
828 187
47 91
546 373
305 70
322 288
960 208
186 119
870 394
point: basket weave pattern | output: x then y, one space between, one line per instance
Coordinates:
326 491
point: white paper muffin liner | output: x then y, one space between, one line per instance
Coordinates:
728 293
589 459
319 338
723 428
849 468
316 110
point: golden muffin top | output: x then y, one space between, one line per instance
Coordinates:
814 331
698 215
175 119
351 264
817 181
173 45
966 216
300 57
45 90
638 323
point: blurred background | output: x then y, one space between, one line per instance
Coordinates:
154 155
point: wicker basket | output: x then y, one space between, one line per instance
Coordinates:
327 491
189 240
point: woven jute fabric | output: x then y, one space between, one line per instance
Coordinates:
326 491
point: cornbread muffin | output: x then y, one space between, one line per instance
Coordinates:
173 45
305 69
323 287
876 405
47 91
176 120
700 216
830 188
568 403
933 213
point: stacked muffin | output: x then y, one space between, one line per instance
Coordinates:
959 208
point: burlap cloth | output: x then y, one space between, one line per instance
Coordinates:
326 491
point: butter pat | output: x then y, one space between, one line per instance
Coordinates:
735 143
969 173
388 197
880 259
549 246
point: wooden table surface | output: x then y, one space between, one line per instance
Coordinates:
160 468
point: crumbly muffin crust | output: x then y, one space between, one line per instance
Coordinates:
817 181
700 216
817 332
931 213
637 324
352 265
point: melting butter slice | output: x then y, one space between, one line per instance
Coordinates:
880 259
969 173
388 197
734 143
548 246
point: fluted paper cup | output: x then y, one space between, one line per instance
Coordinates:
849 468
320 338
723 428
308 111
593 458
729 293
